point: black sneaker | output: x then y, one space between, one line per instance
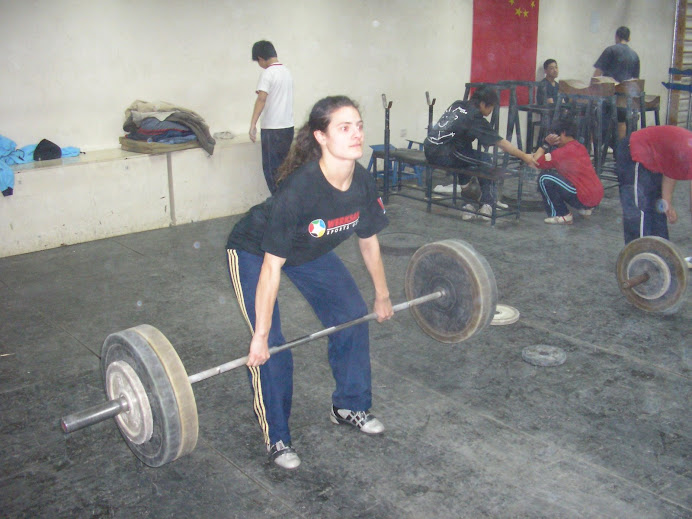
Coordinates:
284 455
363 420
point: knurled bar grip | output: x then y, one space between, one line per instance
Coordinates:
101 412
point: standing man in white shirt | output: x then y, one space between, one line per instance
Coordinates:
275 104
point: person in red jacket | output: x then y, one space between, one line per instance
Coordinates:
570 178
649 163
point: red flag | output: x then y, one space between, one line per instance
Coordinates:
505 34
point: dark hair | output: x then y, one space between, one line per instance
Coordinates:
305 147
263 49
485 94
564 124
623 33
548 62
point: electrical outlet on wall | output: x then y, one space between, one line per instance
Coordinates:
403 133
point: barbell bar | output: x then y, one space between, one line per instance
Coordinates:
451 293
112 408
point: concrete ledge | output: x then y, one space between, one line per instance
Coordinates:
112 192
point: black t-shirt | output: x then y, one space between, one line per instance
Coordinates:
460 125
619 62
550 92
309 217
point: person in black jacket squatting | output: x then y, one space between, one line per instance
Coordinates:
324 197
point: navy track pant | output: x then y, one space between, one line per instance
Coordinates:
640 191
334 296
557 192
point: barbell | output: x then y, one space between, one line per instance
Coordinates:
451 293
652 274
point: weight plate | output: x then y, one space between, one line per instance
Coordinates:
544 355
468 305
400 243
146 351
665 289
505 314
657 270
136 423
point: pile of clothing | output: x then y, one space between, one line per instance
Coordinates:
10 154
166 123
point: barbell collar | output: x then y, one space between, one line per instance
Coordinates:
94 415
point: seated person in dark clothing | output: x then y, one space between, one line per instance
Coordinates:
450 143
548 90
618 61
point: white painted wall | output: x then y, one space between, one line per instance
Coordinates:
71 67
575 34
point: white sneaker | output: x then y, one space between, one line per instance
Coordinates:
362 420
284 455
560 220
444 189
468 216
501 205
486 212
449 189
585 212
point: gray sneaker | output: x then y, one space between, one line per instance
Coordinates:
284 455
362 420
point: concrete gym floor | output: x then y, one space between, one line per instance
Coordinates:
472 430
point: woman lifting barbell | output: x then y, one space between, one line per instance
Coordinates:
324 197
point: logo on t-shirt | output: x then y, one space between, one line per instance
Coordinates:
318 228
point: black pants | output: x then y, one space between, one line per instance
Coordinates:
275 147
464 158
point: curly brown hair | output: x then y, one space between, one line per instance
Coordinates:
305 148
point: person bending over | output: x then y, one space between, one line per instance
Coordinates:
450 143
570 178
648 164
324 197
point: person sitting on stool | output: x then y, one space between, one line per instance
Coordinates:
571 178
450 143
648 164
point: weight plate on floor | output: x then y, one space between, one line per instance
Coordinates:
544 355
136 423
505 314
169 392
468 305
665 289
400 243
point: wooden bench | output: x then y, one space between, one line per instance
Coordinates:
417 158
105 193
